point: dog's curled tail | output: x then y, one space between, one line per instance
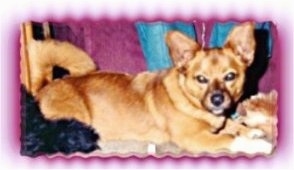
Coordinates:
44 55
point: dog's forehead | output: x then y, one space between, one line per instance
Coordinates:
215 58
215 54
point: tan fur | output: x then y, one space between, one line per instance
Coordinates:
165 106
43 55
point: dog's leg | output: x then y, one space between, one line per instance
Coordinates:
194 136
204 142
235 128
60 100
223 143
190 135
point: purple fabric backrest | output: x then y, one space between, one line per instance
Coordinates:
113 45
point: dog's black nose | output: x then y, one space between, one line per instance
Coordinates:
217 99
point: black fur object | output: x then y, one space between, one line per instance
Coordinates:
40 136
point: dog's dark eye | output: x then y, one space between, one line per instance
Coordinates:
230 76
201 79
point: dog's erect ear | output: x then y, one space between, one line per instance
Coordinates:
181 47
241 40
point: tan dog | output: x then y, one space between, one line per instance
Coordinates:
179 105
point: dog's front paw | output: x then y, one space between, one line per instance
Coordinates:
251 146
217 123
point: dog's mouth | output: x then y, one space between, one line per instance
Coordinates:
217 111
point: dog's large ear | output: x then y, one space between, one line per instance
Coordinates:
241 40
181 47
